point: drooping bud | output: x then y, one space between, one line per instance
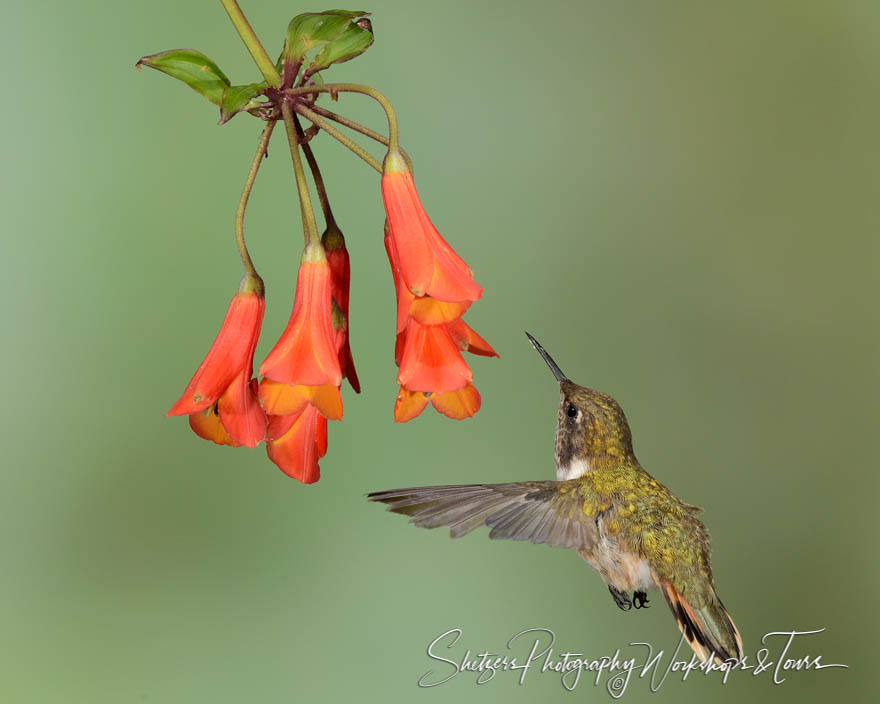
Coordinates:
340 270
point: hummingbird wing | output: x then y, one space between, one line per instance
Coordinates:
542 512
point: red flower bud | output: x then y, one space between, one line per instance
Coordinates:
340 281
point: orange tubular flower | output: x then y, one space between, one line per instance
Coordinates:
428 265
221 398
302 374
430 331
306 352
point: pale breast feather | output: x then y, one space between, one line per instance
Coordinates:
573 470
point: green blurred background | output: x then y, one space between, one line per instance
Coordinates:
678 199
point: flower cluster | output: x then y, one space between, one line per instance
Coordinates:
299 391
434 288
298 387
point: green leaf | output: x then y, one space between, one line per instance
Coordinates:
239 98
312 30
353 42
193 68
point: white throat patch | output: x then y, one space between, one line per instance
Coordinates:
575 468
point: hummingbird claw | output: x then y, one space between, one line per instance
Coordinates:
640 600
621 598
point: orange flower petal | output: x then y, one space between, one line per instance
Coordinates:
399 346
279 425
327 400
287 399
405 297
240 412
409 404
280 399
231 352
296 453
206 424
321 436
458 404
464 336
402 207
442 245
431 361
452 280
306 353
430 311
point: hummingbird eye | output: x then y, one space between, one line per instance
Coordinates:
572 410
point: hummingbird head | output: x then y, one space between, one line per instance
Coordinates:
591 428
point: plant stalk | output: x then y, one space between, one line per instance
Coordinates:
316 175
337 135
310 226
393 139
252 42
245 195
358 127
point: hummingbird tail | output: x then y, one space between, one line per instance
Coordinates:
709 630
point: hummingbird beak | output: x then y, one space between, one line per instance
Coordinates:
557 372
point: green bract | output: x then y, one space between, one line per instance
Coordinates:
239 98
205 77
339 34
353 42
193 68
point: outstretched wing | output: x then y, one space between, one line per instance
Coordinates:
542 512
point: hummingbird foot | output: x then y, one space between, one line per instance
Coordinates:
621 598
640 600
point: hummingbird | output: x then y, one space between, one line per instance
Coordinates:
627 526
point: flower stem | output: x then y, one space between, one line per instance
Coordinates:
245 195
310 226
393 140
357 127
336 134
316 175
252 42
